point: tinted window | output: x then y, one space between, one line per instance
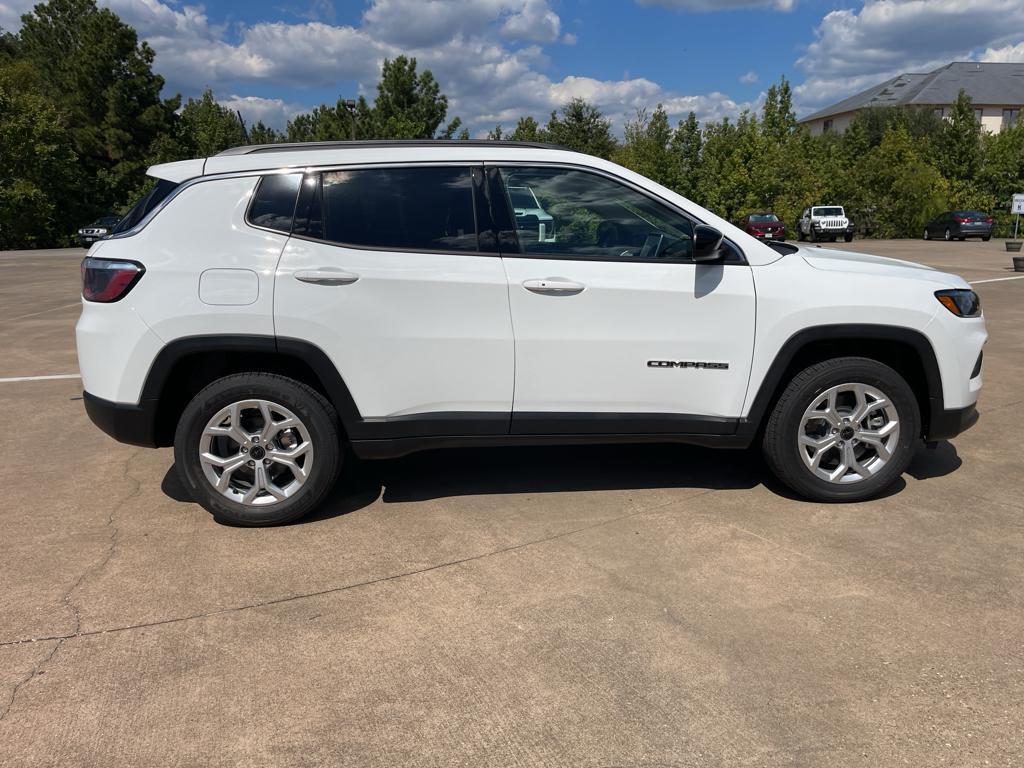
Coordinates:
583 215
157 194
414 209
274 202
308 209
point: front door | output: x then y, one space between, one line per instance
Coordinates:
616 328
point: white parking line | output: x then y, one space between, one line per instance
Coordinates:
996 280
14 379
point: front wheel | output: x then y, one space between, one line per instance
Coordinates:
258 449
843 430
848 237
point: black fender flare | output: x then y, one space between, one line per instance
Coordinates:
773 380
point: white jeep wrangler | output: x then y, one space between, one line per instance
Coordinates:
824 222
262 309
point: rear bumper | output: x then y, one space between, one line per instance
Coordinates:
947 424
125 422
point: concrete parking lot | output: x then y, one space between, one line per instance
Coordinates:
607 606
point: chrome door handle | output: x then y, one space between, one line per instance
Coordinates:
554 286
326 277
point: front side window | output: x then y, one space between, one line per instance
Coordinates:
406 209
559 213
274 202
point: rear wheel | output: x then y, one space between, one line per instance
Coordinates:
986 238
843 430
258 449
927 234
948 235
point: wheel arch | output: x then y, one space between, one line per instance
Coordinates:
905 350
186 365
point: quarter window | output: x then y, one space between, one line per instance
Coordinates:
562 213
408 209
273 205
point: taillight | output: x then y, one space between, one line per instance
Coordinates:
107 280
962 221
988 221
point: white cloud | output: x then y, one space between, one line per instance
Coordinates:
749 77
475 48
720 5
855 49
273 112
1008 54
569 38
11 12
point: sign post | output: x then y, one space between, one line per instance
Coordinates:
1017 208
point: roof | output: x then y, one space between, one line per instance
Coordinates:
308 146
984 82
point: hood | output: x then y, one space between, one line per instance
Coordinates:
834 260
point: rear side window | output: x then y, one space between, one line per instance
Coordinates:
407 209
156 195
274 202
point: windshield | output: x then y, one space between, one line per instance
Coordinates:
149 201
763 217
972 215
522 197
106 221
832 211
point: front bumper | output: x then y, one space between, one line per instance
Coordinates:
947 424
125 422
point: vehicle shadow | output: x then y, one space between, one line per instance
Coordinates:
559 469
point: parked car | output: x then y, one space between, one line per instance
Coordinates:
959 225
98 230
824 222
271 308
532 221
766 226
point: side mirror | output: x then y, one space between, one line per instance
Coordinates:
706 243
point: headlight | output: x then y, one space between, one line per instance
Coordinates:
101 232
960 301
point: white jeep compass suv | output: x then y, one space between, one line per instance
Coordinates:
262 309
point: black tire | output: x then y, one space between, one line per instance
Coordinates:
927 234
985 239
799 234
961 239
814 236
848 238
781 447
948 235
312 409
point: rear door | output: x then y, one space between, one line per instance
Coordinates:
385 273
617 330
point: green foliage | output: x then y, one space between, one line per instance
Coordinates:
261 133
527 129
582 127
37 169
210 127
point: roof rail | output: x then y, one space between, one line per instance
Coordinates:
253 149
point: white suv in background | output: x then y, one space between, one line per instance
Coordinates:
264 308
824 222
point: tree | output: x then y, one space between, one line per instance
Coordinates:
209 127
37 170
96 72
408 105
527 129
687 142
647 148
261 133
496 133
959 155
778 117
583 128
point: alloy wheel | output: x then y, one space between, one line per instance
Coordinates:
848 433
256 452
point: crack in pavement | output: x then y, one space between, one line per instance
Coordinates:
67 597
357 585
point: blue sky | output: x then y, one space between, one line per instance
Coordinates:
498 59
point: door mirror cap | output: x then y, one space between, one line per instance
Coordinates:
707 242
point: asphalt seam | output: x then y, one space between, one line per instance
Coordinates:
356 585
